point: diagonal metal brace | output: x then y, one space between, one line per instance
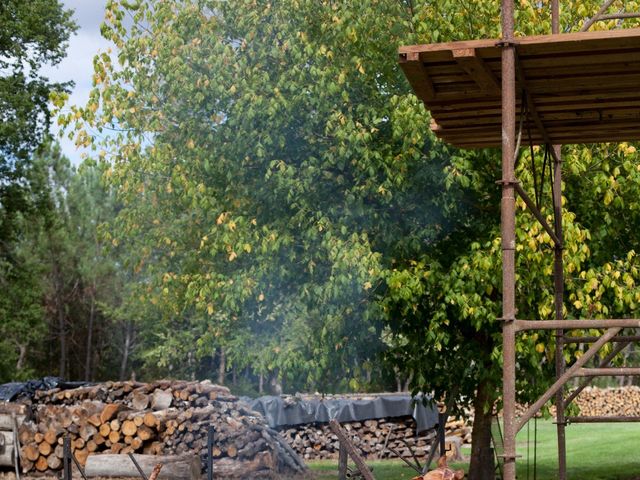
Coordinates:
599 14
562 380
536 213
138 467
533 109
603 363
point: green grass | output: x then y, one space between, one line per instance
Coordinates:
383 470
594 452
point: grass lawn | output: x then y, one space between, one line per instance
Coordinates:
594 452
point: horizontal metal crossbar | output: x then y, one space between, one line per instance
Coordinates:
603 419
576 324
603 363
565 377
607 372
617 339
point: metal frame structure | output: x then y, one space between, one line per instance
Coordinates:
576 87
512 325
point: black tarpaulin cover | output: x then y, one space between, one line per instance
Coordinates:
15 390
280 411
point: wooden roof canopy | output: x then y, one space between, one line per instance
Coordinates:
577 88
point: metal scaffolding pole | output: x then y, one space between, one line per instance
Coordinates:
558 275
508 218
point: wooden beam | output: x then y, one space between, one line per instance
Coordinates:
534 111
539 44
417 74
355 456
477 69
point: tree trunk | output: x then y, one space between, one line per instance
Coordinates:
22 355
407 383
59 306
87 363
222 366
63 335
261 384
482 460
127 348
276 383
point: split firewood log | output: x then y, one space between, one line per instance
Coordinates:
443 472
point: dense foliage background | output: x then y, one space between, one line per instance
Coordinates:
267 207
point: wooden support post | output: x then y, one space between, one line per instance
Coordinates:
342 462
355 456
210 434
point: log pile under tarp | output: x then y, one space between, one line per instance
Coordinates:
160 418
375 438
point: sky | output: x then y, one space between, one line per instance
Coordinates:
78 65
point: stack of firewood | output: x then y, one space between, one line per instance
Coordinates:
158 418
595 401
381 438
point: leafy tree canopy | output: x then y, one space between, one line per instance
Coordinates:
285 203
34 34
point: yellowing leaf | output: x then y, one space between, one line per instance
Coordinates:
232 256
210 309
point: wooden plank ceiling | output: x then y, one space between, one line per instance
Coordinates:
583 87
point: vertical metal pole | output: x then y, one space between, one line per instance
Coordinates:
66 457
508 222
442 421
555 16
558 276
210 434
